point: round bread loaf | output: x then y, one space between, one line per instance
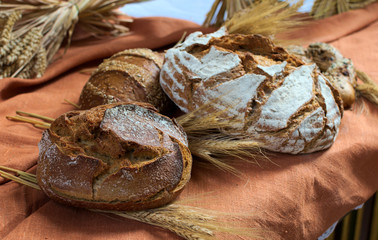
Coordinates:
117 156
338 69
130 75
286 105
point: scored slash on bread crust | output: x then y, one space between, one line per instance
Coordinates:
278 100
117 156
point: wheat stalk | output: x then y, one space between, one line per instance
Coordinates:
23 177
7 21
327 8
37 28
44 124
368 89
265 17
210 138
191 223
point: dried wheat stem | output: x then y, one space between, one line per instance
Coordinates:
49 119
19 180
72 103
27 120
360 4
326 8
169 220
266 18
210 138
24 175
41 126
368 89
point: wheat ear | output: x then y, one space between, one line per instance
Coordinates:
368 89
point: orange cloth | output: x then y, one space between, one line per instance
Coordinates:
291 197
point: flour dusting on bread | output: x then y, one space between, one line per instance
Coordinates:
281 101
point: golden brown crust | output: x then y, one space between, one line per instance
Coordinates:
117 156
130 75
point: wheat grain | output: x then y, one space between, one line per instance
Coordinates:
6 49
29 41
7 21
360 4
210 138
57 20
27 71
41 63
32 44
267 18
326 8
368 89
36 67
7 71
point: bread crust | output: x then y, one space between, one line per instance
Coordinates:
286 105
127 76
115 157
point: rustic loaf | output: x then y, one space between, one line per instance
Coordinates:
130 75
117 156
279 100
339 70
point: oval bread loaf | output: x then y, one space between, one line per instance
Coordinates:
281 102
117 156
130 75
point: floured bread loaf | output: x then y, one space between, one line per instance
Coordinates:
117 156
281 102
130 75
338 69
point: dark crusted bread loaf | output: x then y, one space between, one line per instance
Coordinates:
130 75
285 104
117 156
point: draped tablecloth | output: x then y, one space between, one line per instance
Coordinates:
288 197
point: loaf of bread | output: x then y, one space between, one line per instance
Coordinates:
339 70
130 75
118 157
285 104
